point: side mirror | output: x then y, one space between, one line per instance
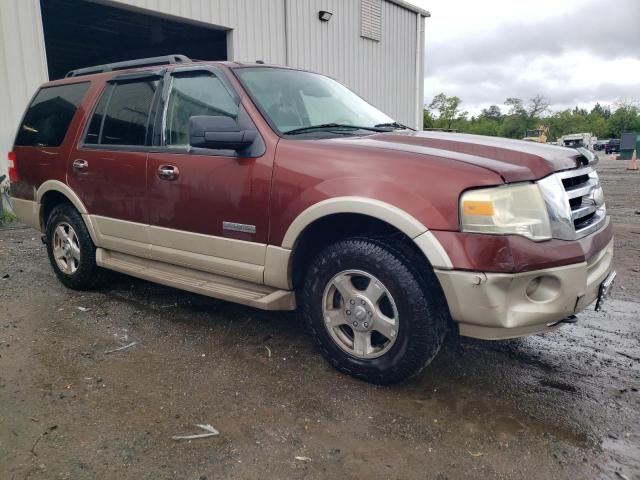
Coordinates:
219 133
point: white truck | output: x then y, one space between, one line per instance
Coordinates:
578 140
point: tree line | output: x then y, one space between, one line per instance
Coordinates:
515 117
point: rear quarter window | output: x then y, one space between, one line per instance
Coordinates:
47 119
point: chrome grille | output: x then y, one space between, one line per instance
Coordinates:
575 202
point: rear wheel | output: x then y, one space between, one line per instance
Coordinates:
71 251
376 314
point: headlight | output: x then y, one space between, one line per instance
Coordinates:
511 209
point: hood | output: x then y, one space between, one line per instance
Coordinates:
513 160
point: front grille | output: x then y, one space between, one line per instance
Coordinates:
584 193
574 201
583 222
571 182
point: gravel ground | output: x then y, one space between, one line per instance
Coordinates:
561 405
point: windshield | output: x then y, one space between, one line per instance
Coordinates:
534 133
295 100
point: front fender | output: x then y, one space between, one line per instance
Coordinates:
374 197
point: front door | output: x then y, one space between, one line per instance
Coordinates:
208 209
108 168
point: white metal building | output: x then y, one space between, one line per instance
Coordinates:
373 46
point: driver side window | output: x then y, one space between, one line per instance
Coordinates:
193 93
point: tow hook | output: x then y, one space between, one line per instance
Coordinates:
569 319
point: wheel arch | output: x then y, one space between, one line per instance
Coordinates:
52 193
336 218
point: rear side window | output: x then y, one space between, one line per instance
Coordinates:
121 116
47 119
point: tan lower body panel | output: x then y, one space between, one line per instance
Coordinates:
27 212
203 283
217 255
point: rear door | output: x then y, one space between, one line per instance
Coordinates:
109 166
208 209
45 135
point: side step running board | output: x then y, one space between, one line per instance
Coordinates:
203 283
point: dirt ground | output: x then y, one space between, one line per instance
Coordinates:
562 405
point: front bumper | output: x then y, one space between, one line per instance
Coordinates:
496 306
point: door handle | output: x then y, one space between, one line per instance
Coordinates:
168 172
80 164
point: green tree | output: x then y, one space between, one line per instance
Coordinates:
597 122
566 121
427 119
626 118
598 126
515 107
604 112
492 113
448 109
513 126
516 121
446 112
538 105
483 125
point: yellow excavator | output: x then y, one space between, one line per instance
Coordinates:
539 134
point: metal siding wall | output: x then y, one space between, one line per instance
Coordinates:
384 73
258 25
22 65
421 75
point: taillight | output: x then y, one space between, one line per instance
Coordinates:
13 173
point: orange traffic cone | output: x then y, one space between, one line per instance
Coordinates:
634 162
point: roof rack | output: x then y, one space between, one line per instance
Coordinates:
140 62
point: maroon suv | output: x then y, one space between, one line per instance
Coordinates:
278 188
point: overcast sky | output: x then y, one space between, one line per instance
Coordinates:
574 52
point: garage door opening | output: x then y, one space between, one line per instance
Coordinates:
79 33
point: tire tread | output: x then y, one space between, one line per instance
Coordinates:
418 283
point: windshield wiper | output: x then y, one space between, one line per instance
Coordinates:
396 125
329 126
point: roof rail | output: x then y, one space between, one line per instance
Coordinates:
140 62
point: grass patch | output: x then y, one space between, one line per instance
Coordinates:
8 217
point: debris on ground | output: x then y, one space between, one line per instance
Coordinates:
121 348
268 351
83 309
303 459
212 432
630 357
43 434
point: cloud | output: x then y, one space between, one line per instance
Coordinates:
587 53
601 28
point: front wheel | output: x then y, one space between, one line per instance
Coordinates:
375 309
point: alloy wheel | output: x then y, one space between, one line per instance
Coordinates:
360 314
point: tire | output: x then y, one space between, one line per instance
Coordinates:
407 324
72 256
